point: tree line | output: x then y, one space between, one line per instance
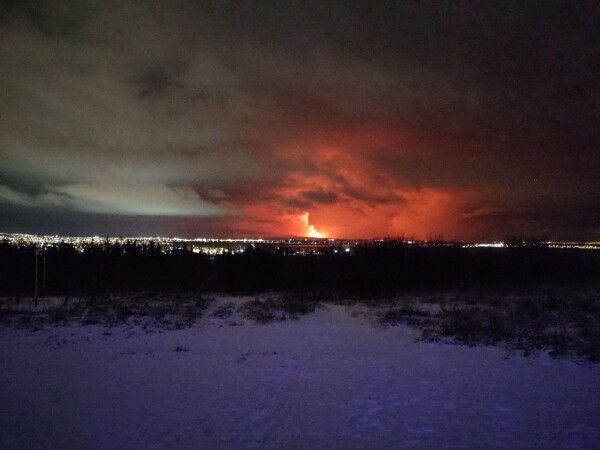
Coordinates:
369 270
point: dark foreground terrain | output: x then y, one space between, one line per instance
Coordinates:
387 347
387 269
524 298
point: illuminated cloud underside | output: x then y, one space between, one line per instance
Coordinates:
299 119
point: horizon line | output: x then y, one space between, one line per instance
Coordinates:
305 238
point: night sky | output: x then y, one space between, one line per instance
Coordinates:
470 120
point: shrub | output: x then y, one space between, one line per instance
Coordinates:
224 311
281 308
258 311
406 314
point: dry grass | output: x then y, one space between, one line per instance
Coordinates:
563 324
165 311
282 307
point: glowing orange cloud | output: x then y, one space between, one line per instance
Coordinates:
340 182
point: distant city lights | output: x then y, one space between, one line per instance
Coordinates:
291 246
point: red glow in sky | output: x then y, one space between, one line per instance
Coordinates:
342 120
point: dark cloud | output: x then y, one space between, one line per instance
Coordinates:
361 118
563 221
158 80
320 196
308 199
52 23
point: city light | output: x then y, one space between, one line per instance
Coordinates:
314 244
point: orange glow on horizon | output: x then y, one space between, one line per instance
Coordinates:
351 197
311 230
314 233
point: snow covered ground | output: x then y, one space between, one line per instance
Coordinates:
328 380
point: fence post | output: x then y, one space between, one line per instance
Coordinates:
44 275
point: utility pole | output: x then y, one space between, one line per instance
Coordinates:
44 276
35 290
